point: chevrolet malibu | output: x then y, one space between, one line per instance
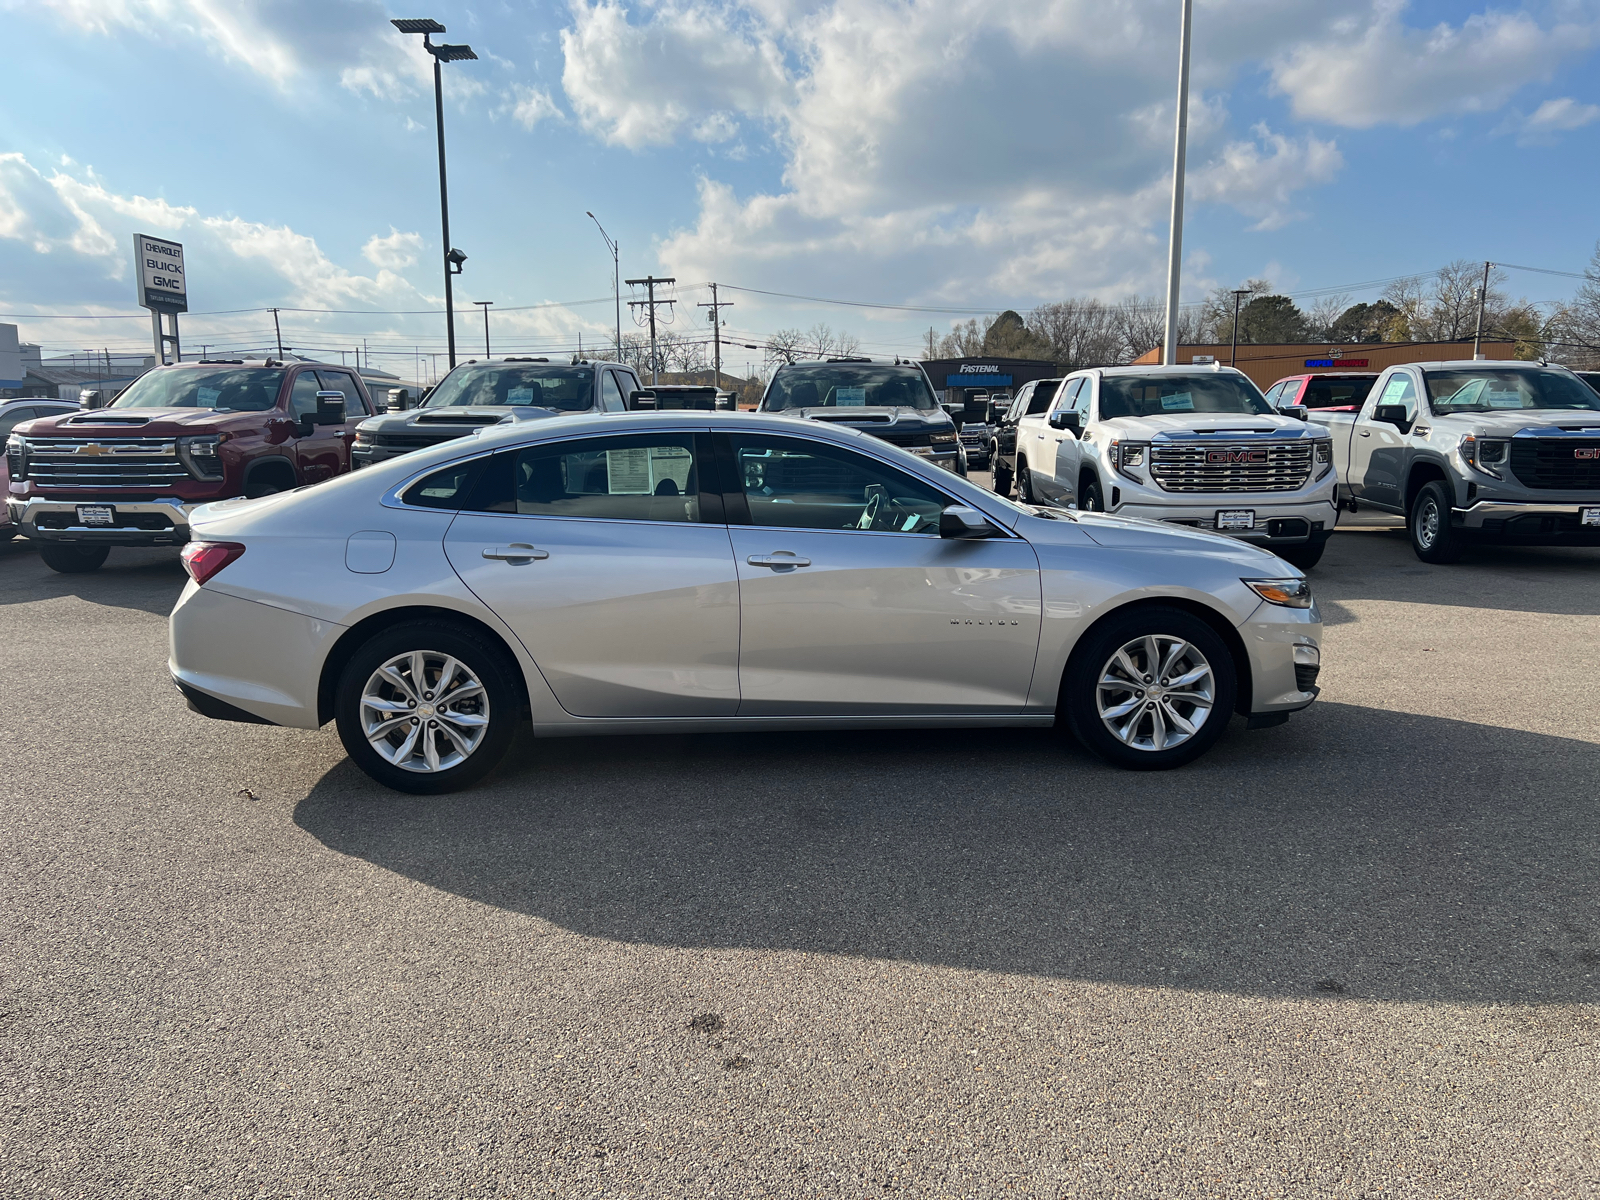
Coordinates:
683 571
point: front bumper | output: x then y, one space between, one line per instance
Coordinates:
1278 523
1280 685
1519 521
158 522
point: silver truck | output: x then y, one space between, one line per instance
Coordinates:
1474 451
1189 445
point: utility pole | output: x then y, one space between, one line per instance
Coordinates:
1483 294
278 332
930 341
650 282
484 304
1169 346
1233 355
716 332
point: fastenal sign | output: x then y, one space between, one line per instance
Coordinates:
160 270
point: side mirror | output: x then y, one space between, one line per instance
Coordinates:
962 521
330 409
641 399
1065 418
1392 414
423 399
1298 411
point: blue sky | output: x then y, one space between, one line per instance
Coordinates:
955 155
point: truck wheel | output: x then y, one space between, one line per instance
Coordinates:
1432 536
1002 478
1025 483
1150 689
427 709
1089 497
1305 557
73 560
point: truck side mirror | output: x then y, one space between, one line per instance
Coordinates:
1298 411
963 521
641 399
330 409
1065 418
1392 414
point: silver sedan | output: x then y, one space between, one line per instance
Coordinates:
646 572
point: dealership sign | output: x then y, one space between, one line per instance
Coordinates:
978 375
160 269
1336 362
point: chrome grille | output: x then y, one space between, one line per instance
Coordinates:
1224 467
97 462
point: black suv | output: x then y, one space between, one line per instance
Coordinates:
894 402
1034 398
476 394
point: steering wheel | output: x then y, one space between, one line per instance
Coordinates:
869 511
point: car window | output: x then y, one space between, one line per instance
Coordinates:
610 393
1067 396
225 389
1274 393
447 488
791 483
1042 395
634 477
1085 395
11 418
1020 404
303 397
1399 390
342 381
1337 393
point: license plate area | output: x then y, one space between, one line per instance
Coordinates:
96 515
1235 520
1589 516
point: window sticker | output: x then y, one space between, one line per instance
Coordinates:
1178 402
520 395
670 462
852 397
209 396
1395 390
628 472
1504 400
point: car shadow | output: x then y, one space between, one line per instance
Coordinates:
1354 852
146 579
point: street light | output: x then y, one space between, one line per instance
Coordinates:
616 277
484 304
426 26
1169 348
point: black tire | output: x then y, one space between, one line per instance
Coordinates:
73 560
1433 538
1090 498
1025 482
1080 687
1002 478
1305 557
269 482
482 657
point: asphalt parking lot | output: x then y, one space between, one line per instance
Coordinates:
1356 955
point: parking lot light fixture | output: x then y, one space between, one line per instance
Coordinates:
1169 347
616 276
427 27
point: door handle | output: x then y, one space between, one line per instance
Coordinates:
777 560
516 552
1366 433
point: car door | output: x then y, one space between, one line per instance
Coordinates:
850 601
1006 430
316 448
613 568
341 437
1379 449
1064 472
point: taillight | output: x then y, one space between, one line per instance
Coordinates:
204 559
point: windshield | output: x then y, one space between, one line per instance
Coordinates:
848 385
1174 395
569 389
1507 387
225 389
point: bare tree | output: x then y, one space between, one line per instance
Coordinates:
1079 333
1215 320
786 345
1323 314
1577 323
1140 322
965 339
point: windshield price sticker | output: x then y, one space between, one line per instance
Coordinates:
1236 518
101 514
520 396
850 397
208 397
1178 402
1589 516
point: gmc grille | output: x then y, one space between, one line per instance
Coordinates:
1221 466
104 462
1553 463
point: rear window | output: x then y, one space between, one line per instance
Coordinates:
1338 393
1040 400
224 389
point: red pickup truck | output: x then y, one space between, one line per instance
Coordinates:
179 436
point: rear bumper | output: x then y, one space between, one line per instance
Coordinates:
1528 522
158 522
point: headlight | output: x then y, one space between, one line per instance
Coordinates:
16 457
1487 455
1325 450
943 439
202 455
363 438
1291 593
1128 458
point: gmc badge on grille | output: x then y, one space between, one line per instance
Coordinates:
1587 452
1236 456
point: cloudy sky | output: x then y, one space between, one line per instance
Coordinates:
943 157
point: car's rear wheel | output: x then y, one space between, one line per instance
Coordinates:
1025 483
427 709
73 560
1150 689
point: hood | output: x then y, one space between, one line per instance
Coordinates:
869 418
449 421
1178 425
1532 422
143 422
1135 533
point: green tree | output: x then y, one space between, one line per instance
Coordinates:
1269 319
1362 322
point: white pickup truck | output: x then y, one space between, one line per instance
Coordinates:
1474 451
1191 445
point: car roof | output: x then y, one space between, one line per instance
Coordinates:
1468 364
1162 369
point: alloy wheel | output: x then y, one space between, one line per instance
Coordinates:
424 711
1155 692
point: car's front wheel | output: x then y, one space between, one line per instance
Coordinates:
1150 689
426 708
1025 483
73 560
1433 538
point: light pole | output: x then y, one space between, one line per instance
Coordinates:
452 257
616 276
1233 354
1169 347
484 304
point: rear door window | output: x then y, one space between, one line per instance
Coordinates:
1042 395
634 477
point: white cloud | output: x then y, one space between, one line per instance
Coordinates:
395 252
1262 185
532 105
1551 118
1378 70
